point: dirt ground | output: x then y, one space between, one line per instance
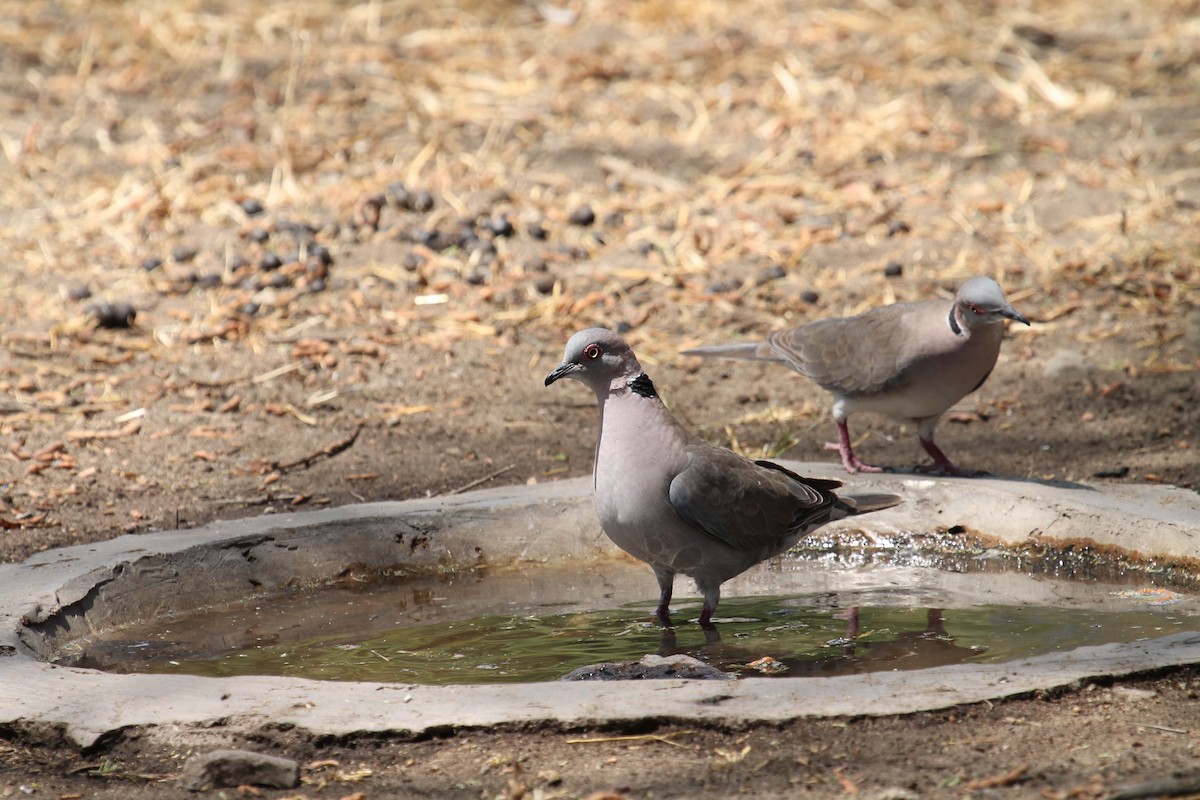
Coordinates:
353 239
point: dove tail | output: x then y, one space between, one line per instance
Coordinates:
866 503
746 351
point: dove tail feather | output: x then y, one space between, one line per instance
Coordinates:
745 351
866 503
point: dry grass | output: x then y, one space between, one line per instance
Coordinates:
1053 146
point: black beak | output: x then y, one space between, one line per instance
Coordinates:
1012 314
562 370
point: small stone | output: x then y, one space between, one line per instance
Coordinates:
545 284
80 291
809 296
771 273
249 309
321 253
208 280
423 201
182 254
897 227
112 315
316 285
648 668
151 263
279 280
614 219
536 231
258 235
582 216
397 195
270 262
252 206
500 226
222 768
724 285
894 269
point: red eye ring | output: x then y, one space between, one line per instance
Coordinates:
592 350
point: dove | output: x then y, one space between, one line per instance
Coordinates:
912 361
679 503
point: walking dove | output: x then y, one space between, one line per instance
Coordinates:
907 360
677 502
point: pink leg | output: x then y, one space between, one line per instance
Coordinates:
943 464
706 617
849 460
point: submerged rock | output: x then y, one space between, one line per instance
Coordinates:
649 667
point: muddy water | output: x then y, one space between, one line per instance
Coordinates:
833 615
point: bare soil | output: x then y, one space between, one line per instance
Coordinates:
305 206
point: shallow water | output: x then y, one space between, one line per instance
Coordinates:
498 628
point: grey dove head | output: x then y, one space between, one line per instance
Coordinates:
980 301
596 357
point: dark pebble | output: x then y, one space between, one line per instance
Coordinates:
270 262
545 284
898 226
208 280
316 269
252 206
422 201
412 262
300 230
1038 36
279 280
182 254
582 216
809 296
624 327
477 277
614 219
771 273
724 285
249 309
113 315
237 262
79 292
1119 472
397 194
151 263
321 253
259 235
316 285
598 237
500 226
537 232
894 269
646 248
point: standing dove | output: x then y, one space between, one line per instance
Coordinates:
677 502
912 361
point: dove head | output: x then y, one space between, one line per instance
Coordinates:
980 302
597 358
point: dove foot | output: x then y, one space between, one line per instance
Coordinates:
850 461
944 466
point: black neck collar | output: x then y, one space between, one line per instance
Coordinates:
953 322
642 385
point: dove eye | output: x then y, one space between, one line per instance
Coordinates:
976 309
592 351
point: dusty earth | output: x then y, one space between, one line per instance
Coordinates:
354 237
